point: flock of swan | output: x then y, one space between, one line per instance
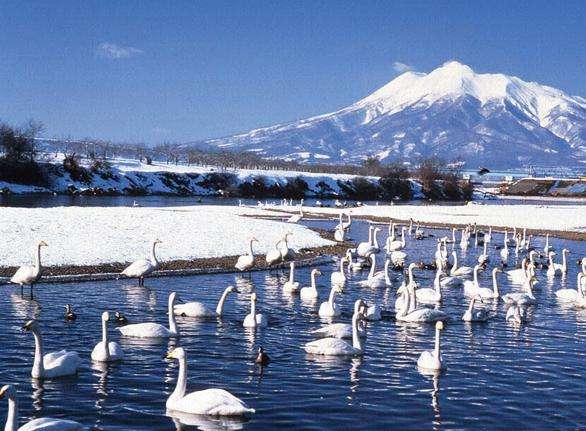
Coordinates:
414 303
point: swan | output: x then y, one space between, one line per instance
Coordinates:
29 274
522 298
46 424
464 240
555 267
296 218
154 330
432 359
504 252
54 364
409 312
354 266
337 346
470 286
410 226
291 285
570 295
398 258
515 314
143 267
199 309
346 225
254 320
342 330
419 234
547 248
246 261
519 275
365 244
448 281
338 277
377 279
329 308
366 250
431 295
310 293
462 271
483 258
472 315
484 292
339 235
106 350
397 245
373 313
410 279
287 253
274 256
215 402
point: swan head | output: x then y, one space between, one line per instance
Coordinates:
495 271
105 316
358 305
68 308
231 289
439 325
173 297
7 391
253 296
31 325
315 272
177 353
565 250
157 241
253 239
43 244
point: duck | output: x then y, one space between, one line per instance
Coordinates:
338 277
51 365
46 424
291 286
462 271
246 261
143 267
254 319
338 346
120 318
310 293
472 315
199 309
106 350
377 279
29 275
213 402
329 308
262 358
69 315
154 330
432 359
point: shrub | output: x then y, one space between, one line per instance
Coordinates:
295 188
323 189
22 172
396 184
217 181
256 188
359 188
75 170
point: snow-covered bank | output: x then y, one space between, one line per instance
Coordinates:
571 218
97 235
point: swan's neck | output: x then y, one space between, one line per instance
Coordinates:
564 261
313 283
476 276
436 351
181 386
453 235
253 310
356 341
406 304
105 338
372 267
220 307
413 302
375 238
12 417
387 279
471 305
403 237
332 297
172 322
292 274
437 283
495 286
38 262
370 235
38 366
455 262
551 260
584 267
250 247
484 248
341 267
410 274
154 256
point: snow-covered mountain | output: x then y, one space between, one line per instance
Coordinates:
452 112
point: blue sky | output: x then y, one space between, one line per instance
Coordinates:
179 71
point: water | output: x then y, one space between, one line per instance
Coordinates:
498 376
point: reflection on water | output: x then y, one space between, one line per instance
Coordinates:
514 367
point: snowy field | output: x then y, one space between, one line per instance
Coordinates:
541 217
94 235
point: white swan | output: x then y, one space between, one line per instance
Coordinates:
214 402
409 312
342 330
287 253
199 309
338 277
522 298
154 330
483 258
29 274
570 295
515 314
432 359
339 235
41 424
54 364
519 275
397 245
354 265
377 279
246 261
464 240
143 267
554 268
462 271
337 346
296 218
547 248
431 295
472 315
366 250
365 244
274 255
398 258
483 292
373 312
291 285
106 350
310 293
329 308
254 320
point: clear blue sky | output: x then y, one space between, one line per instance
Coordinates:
178 71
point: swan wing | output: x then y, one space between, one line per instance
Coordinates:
116 352
329 346
215 402
139 268
569 295
24 275
193 309
50 424
145 330
337 330
244 262
62 363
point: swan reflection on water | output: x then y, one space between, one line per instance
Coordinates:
184 421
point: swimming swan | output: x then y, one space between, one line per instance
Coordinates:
329 308
522 298
215 402
47 424
342 330
198 309
338 277
54 364
484 292
310 293
143 267
570 295
154 330
462 271
106 350
472 315
254 320
291 285
432 359
409 312
377 279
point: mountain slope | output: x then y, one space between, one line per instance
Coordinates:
451 112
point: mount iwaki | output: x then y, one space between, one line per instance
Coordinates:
490 120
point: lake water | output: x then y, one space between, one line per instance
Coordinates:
498 376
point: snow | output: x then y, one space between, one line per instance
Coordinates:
94 235
541 217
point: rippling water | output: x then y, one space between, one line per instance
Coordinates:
498 376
